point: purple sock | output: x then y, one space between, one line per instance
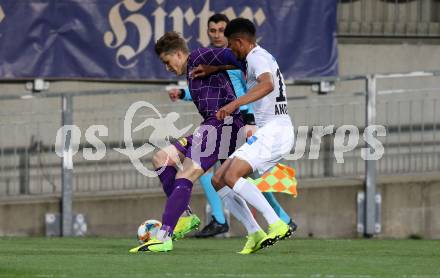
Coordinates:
176 204
167 177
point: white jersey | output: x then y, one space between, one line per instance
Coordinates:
274 105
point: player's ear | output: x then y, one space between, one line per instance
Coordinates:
179 54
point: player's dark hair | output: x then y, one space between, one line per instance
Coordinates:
239 27
216 18
170 42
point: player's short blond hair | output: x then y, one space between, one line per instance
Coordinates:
170 42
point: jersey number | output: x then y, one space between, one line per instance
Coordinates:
281 97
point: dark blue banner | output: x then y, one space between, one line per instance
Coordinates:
104 39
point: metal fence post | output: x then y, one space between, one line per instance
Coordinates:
67 171
370 165
328 155
24 168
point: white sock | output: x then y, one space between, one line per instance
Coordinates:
163 235
253 196
238 207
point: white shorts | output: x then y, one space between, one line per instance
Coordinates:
268 145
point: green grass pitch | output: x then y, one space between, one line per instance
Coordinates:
109 257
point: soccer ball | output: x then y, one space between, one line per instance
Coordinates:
148 230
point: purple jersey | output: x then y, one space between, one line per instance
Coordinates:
211 93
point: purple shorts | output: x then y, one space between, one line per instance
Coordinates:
213 140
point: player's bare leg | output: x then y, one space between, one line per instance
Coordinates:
176 204
166 161
257 238
191 170
234 169
217 179
233 175
169 155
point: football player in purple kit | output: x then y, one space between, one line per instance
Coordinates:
209 94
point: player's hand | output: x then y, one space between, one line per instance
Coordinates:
250 130
226 110
202 71
174 94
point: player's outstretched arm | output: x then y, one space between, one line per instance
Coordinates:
205 70
214 60
264 87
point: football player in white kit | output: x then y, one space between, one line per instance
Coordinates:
273 140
